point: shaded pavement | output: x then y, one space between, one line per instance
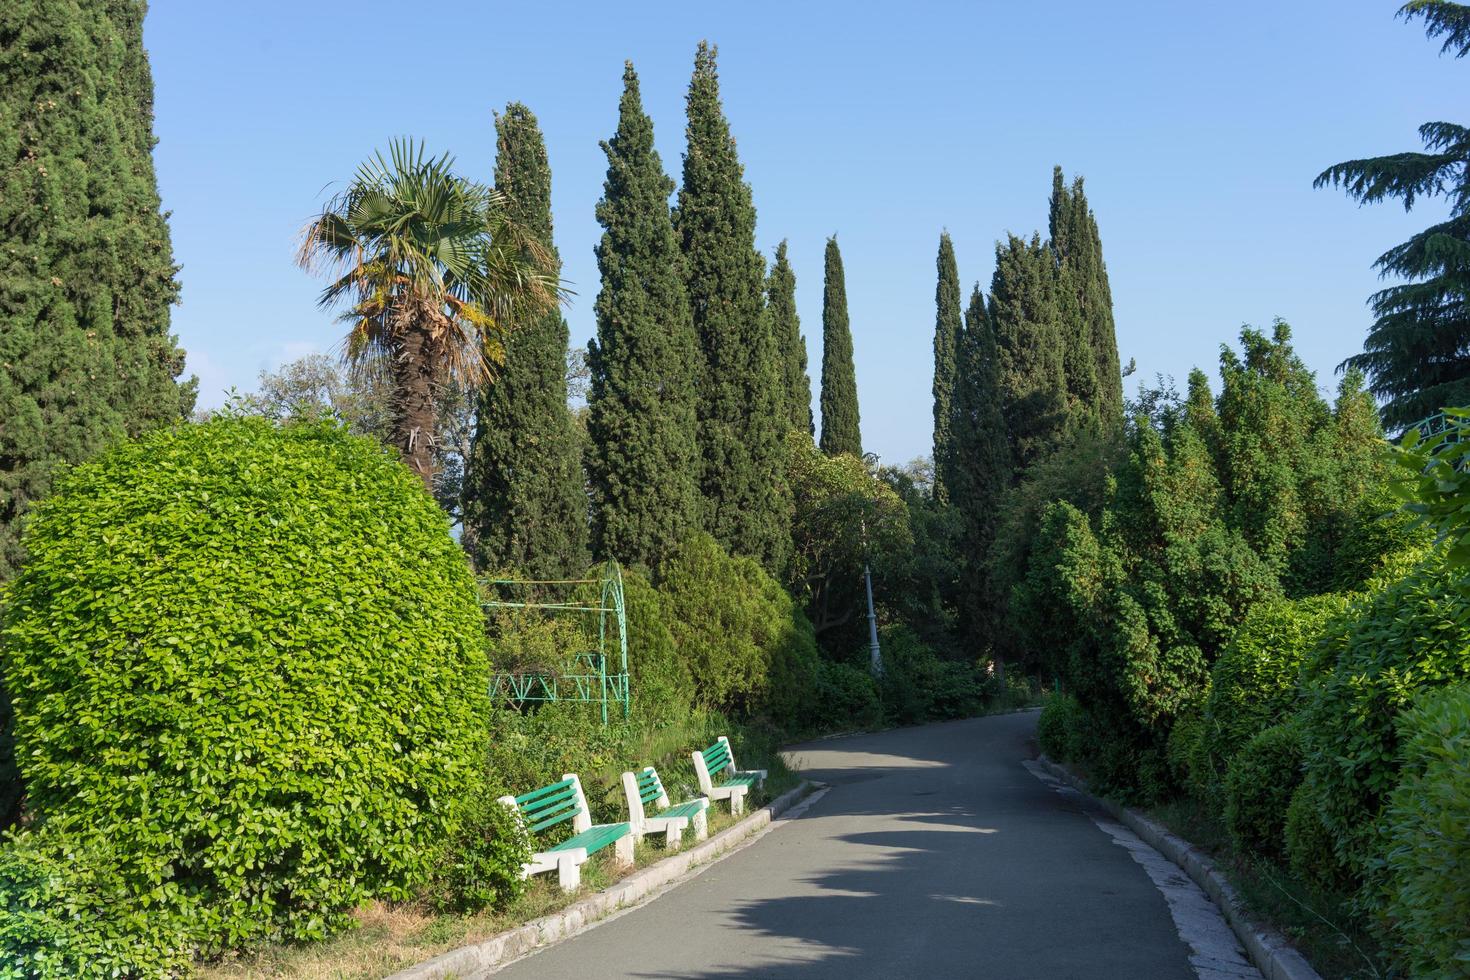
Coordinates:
935 853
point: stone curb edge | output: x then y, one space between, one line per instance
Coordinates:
1268 950
490 954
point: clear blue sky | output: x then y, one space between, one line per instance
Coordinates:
1198 127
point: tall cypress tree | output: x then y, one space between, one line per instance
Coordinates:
791 345
947 328
525 503
643 460
87 272
1085 299
979 466
1029 348
841 431
741 407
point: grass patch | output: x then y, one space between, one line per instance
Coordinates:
1319 924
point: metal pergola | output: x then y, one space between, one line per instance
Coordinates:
594 676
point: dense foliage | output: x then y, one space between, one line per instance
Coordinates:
249 689
948 324
841 428
790 344
524 502
1426 892
742 417
87 272
642 464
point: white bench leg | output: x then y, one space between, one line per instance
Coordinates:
569 875
701 826
737 802
623 852
673 836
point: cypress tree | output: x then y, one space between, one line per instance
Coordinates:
742 420
947 328
979 463
840 427
1071 287
87 271
525 503
791 345
1029 350
643 458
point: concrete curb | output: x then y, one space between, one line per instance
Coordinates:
489 955
1268 950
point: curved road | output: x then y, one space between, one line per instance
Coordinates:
937 852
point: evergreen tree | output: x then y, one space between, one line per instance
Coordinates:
742 417
1417 355
525 503
87 272
1028 336
840 427
980 465
643 457
947 328
1085 300
791 345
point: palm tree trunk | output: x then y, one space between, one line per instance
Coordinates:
413 396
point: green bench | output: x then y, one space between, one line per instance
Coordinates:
558 803
644 789
718 761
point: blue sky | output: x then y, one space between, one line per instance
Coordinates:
1198 127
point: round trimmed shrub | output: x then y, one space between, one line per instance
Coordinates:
1405 640
1309 844
1427 891
1059 716
846 698
250 656
1258 788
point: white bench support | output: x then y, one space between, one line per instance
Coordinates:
568 863
734 794
672 827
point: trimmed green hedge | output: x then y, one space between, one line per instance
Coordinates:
1258 788
1404 640
1427 892
250 659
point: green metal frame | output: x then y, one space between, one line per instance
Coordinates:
585 676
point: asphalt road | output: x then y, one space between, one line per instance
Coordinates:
936 853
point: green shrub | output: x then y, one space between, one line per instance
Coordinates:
846 699
749 647
1409 638
250 656
918 686
1309 844
1253 684
481 866
662 688
1427 891
77 906
1188 748
1258 788
1061 729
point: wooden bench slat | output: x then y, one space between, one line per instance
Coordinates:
564 785
596 838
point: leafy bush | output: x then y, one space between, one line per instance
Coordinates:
1309 844
846 699
1057 728
481 866
1409 638
1187 750
917 686
250 659
747 644
1258 788
1253 684
1427 892
74 905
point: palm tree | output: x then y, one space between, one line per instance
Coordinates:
432 272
